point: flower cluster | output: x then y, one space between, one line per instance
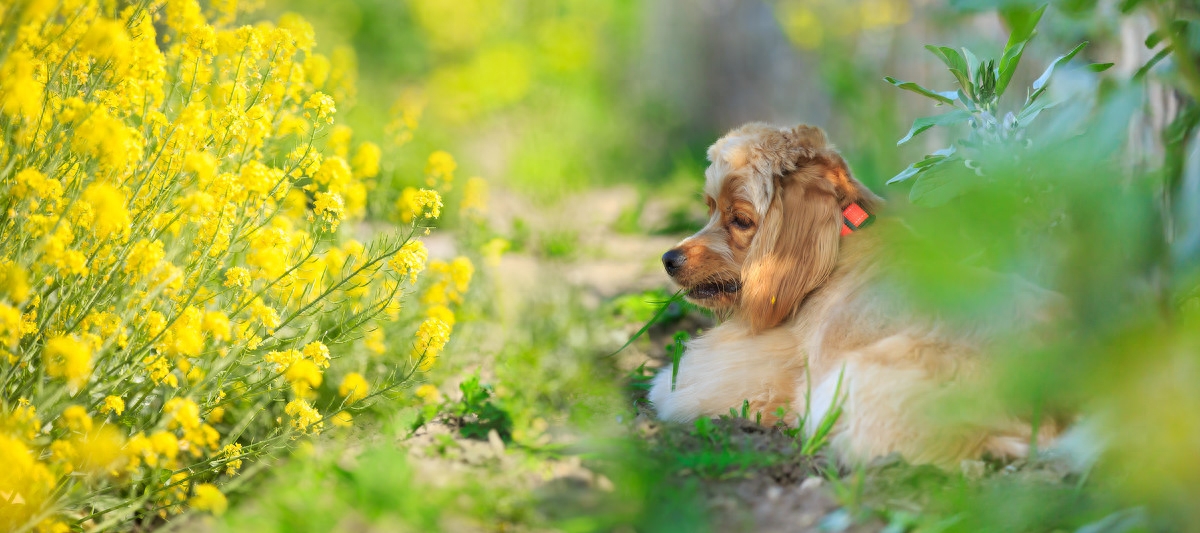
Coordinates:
178 293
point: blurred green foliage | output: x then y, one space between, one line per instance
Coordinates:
540 91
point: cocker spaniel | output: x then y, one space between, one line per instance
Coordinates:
810 324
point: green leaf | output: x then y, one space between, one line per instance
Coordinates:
1153 39
1099 67
1162 54
1129 5
1031 111
924 123
1045 77
972 62
956 64
943 97
1023 25
938 187
923 165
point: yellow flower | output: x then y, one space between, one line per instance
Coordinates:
166 445
11 326
305 418
374 342
414 204
76 419
264 313
282 359
329 210
338 140
304 377
333 173
410 260
318 353
68 358
441 312
429 393
99 451
209 498
182 413
32 182
237 277
13 282
24 476
216 415
322 105
461 271
475 197
432 336
186 334
343 420
366 160
160 370
354 387
232 453
144 257
20 92
439 170
216 324
113 404
428 203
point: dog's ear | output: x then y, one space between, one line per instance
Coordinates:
794 250
809 148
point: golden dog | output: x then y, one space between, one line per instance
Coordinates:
810 324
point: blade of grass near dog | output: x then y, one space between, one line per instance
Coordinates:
666 305
677 354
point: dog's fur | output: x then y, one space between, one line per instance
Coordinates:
807 307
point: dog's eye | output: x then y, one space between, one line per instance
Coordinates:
743 222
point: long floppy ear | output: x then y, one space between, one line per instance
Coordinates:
795 248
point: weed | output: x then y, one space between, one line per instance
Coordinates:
476 413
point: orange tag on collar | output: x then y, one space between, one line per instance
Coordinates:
854 217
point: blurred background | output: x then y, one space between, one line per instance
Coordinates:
589 121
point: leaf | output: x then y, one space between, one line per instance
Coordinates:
924 123
1141 72
1153 39
937 187
1099 67
1031 111
923 165
1129 5
678 296
943 97
1023 25
972 62
1045 77
956 64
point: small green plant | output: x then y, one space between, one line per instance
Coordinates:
977 101
478 414
820 435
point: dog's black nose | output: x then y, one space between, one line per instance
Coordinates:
673 260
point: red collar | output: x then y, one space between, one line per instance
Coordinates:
854 217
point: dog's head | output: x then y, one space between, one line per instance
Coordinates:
775 199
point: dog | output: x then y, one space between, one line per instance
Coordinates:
809 323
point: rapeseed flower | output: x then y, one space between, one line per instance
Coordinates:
69 359
354 387
209 498
179 218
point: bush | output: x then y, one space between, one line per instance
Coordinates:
179 292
